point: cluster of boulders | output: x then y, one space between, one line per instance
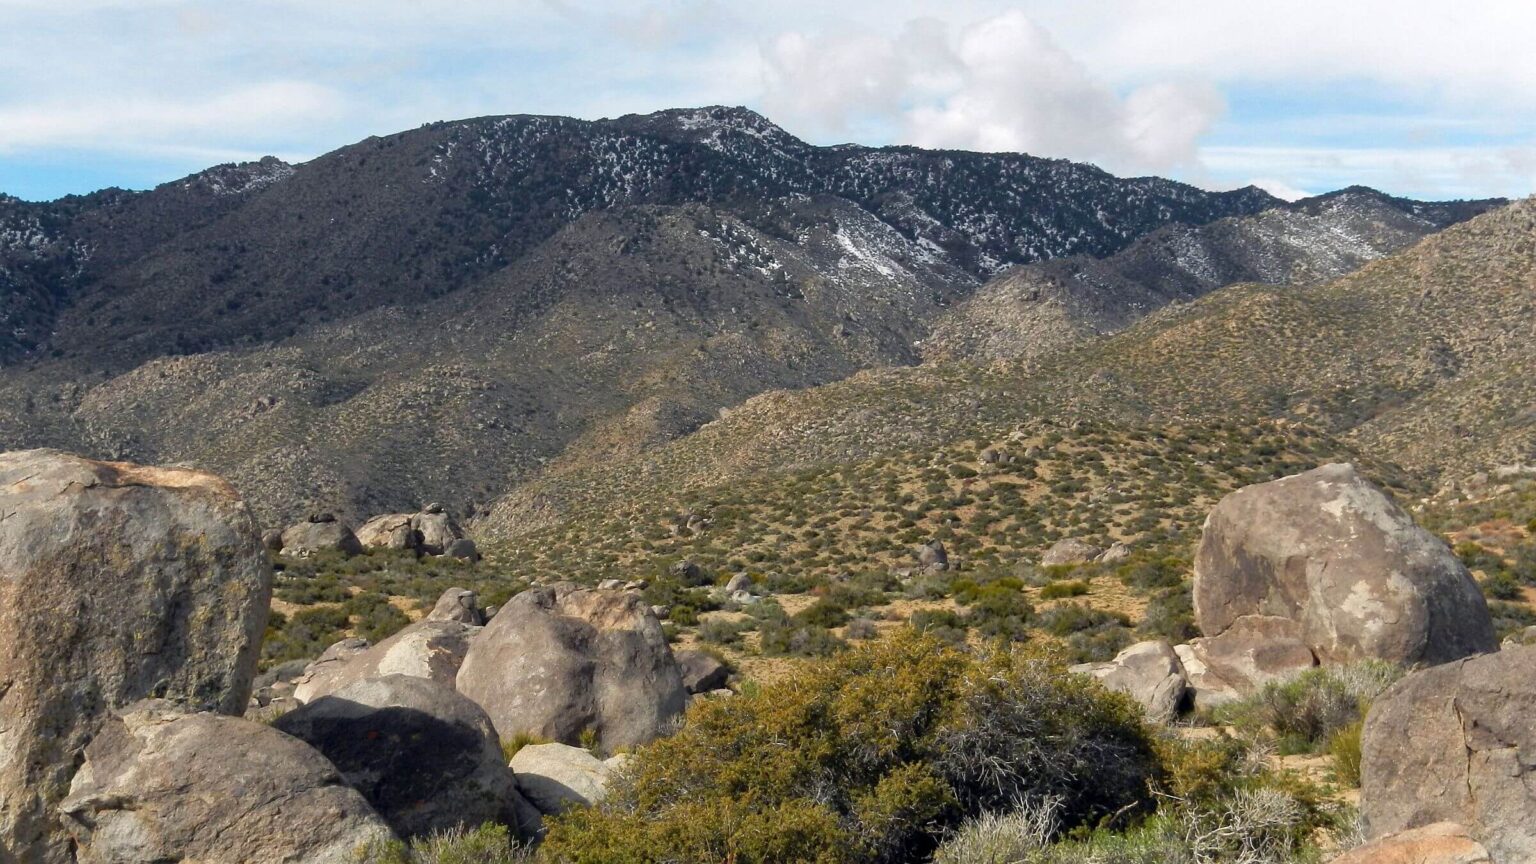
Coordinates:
429 532
121 730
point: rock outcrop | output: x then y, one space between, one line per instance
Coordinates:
431 648
702 672
1150 673
320 533
1069 551
424 756
557 776
1256 650
558 661
1333 553
1440 843
389 531
436 529
1457 743
158 785
117 582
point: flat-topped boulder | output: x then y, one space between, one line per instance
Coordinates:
320 533
1150 673
1332 552
117 582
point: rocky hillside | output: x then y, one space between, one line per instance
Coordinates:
1037 309
1417 358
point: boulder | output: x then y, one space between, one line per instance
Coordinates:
688 572
1116 553
1440 843
424 756
159 785
309 537
430 648
436 529
463 549
457 604
272 539
1069 551
1256 650
702 671
117 582
933 556
560 660
389 531
557 776
1150 673
1457 743
739 582
1205 689
1332 552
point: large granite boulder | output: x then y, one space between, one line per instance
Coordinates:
1332 552
389 531
933 556
1440 843
436 529
1256 650
557 776
1457 743
1069 551
320 533
702 671
159 785
561 660
117 582
424 756
1150 673
457 604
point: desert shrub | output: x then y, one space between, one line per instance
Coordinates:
782 636
1502 585
373 616
1344 750
719 632
1069 588
1001 838
870 756
823 613
1147 574
1170 615
944 624
861 628
1510 617
1069 618
487 844
1306 712
302 635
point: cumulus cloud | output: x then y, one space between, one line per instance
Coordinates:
1003 84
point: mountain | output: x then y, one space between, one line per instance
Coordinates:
451 312
1422 359
1040 308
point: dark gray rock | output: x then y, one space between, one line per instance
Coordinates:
1332 552
463 549
424 756
932 556
701 671
309 537
457 604
436 529
558 661
1457 743
117 582
158 785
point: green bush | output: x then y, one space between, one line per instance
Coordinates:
875 755
1344 749
1305 713
1058 590
487 844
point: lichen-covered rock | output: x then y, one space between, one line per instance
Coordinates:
1440 843
1150 673
422 754
1457 743
1332 552
117 582
558 661
158 785
557 776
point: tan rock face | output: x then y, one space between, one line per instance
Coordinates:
1256 650
117 582
556 662
1150 673
1457 743
1440 843
389 531
1333 553
158 785
429 649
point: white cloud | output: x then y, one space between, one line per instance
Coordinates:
1453 172
1003 84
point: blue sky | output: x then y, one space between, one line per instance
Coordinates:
1424 99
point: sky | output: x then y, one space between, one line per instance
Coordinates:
1430 100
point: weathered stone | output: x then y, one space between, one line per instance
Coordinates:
688 572
1206 690
1150 673
272 539
933 556
430 648
117 582
1256 650
422 754
463 549
1440 843
389 531
739 582
1332 552
1116 553
1069 551
701 671
1457 743
457 604
158 785
309 537
558 661
557 776
436 529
